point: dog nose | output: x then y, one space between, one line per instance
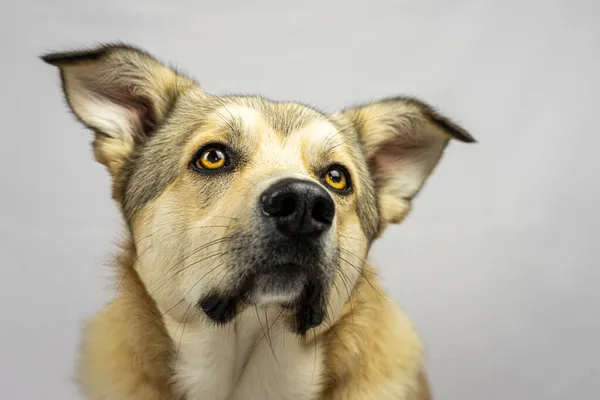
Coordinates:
299 207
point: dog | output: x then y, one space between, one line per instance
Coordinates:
244 272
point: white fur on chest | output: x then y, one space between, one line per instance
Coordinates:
239 362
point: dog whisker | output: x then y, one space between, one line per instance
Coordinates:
362 273
349 294
350 237
192 253
363 261
265 333
269 328
161 315
186 317
216 254
125 274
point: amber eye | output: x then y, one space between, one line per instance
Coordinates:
337 178
211 158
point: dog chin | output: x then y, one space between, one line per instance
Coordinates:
265 296
286 285
280 284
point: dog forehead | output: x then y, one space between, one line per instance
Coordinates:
248 117
281 133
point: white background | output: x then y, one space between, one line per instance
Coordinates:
495 265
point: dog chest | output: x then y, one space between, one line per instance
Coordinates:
254 358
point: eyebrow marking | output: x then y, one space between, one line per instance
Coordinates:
330 138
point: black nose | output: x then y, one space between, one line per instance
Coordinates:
299 207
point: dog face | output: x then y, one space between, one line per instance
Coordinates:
241 201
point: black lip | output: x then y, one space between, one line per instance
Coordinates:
220 309
310 307
308 317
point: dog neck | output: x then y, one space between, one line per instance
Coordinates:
254 354
250 356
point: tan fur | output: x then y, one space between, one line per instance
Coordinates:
373 351
126 351
194 234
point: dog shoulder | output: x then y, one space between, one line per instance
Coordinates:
126 352
374 351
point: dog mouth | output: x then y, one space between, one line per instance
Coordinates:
287 285
271 270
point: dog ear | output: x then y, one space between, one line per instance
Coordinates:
403 140
121 93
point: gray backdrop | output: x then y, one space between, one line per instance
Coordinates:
496 263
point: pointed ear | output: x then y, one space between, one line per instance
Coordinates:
403 140
121 93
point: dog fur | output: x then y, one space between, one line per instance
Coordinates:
195 241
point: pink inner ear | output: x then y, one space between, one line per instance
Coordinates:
402 166
392 156
124 96
385 162
143 110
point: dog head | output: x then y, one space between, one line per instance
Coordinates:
236 201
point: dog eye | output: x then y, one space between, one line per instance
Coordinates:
211 157
337 178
